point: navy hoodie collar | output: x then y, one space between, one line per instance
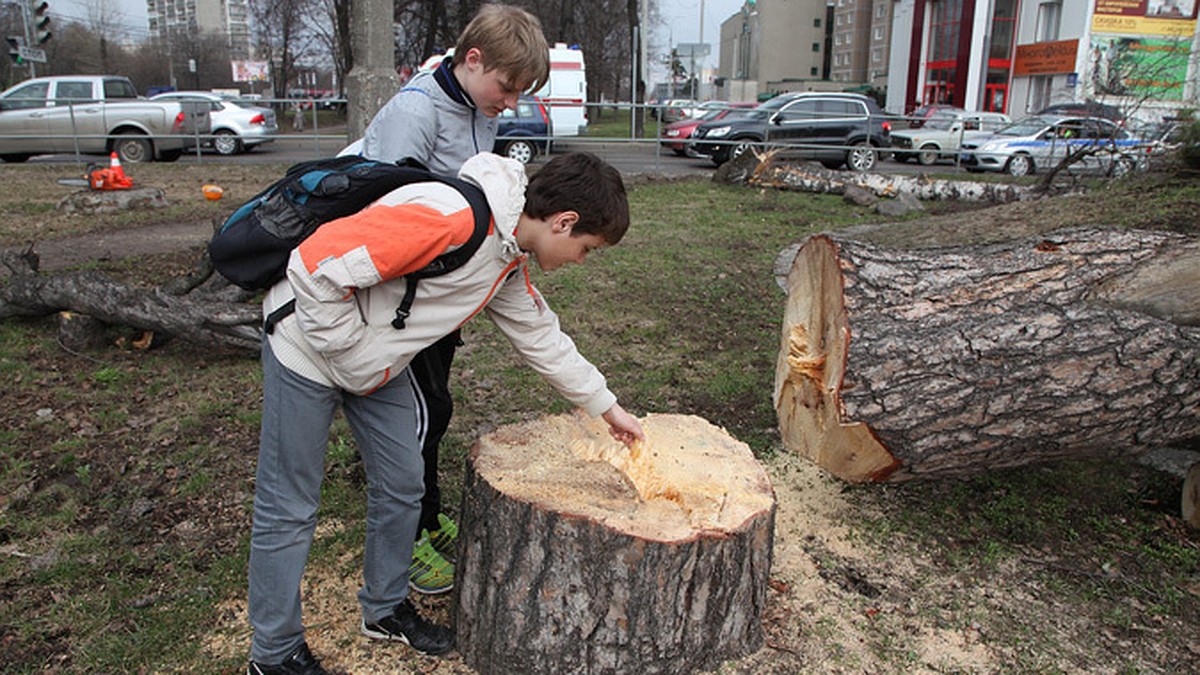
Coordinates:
444 76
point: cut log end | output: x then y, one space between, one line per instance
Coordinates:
688 478
810 371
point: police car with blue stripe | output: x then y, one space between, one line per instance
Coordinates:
1040 142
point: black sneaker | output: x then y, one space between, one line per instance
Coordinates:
299 662
407 626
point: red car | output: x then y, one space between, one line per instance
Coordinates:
675 135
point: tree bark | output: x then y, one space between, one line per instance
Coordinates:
897 364
578 555
211 314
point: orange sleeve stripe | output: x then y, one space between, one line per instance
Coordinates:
400 239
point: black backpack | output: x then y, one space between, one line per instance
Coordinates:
253 246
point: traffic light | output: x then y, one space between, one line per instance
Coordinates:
41 21
14 49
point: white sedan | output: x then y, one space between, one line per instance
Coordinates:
236 126
941 135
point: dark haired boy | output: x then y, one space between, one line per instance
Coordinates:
339 348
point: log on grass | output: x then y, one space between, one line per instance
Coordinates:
200 317
896 364
579 555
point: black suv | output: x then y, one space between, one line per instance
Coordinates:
834 128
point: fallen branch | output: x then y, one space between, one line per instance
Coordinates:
210 315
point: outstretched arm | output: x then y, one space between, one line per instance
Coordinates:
623 426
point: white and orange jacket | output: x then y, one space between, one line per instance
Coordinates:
348 279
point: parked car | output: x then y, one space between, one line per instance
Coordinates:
835 128
676 134
942 134
678 109
237 126
525 131
94 114
918 118
1040 142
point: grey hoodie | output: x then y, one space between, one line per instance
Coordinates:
432 120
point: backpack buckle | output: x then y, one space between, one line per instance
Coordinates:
401 317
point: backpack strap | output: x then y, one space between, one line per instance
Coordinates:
447 262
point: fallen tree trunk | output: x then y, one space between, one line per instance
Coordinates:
762 170
212 315
578 555
896 364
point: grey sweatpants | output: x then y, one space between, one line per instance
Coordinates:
297 414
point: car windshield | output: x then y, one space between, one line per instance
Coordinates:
940 122
712 115
1026 127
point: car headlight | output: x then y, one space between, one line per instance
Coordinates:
672 133
719 132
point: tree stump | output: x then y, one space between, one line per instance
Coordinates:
895 364
579 555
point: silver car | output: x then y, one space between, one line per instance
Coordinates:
1042 141
236 126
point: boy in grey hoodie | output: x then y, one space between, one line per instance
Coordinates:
441 119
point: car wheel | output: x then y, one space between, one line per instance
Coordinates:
225 142
15 159
679 152
929 154
861 157
1019 165
133 148
1121 166
520 150
740 147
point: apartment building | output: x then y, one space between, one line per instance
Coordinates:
225 17
771 46
851 40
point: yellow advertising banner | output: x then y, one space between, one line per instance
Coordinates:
1045 58
1124 24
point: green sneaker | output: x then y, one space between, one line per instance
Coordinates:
429 572
445 538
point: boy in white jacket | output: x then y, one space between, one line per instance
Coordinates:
339 348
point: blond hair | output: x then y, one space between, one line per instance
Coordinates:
511 41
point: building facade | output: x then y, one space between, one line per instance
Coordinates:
1019 56
862 33
772 46
188 17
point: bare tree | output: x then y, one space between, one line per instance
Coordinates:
283 33
331 27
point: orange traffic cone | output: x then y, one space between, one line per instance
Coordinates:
119 176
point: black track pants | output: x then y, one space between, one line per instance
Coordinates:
435 405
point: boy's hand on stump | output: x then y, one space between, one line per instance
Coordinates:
623 426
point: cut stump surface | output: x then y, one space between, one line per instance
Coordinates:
579 555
